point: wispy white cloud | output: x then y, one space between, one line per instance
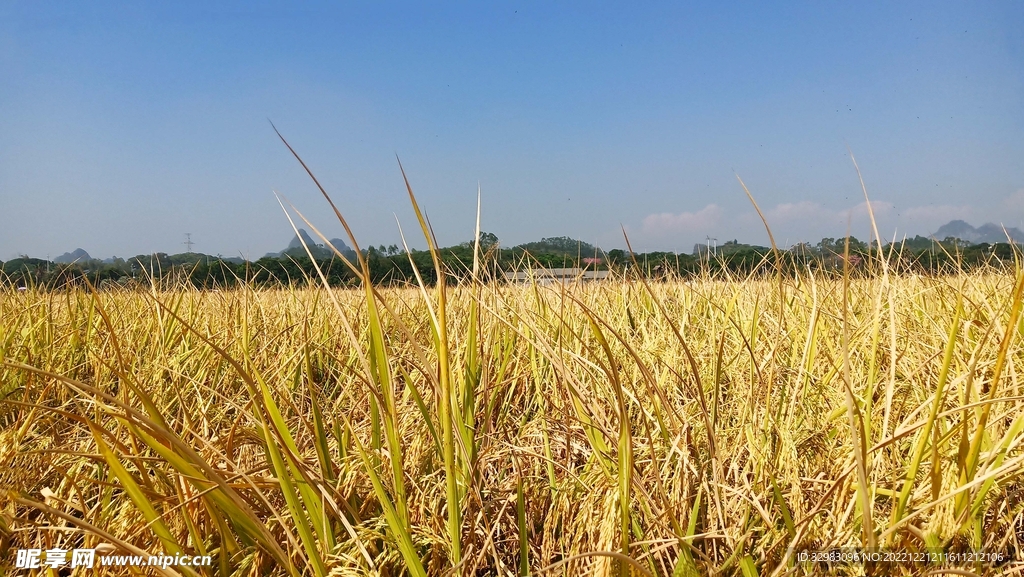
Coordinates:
880 208
790 211
935 215
689 223
805 220
813 212
1015 202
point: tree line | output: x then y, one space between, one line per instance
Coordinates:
391 265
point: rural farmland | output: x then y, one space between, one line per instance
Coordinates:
679 427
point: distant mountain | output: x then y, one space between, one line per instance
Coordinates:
76 255
305 238
316 247
989 233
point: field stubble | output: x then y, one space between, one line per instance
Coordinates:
672 428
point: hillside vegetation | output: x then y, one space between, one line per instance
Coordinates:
394 266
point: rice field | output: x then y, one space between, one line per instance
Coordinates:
697 426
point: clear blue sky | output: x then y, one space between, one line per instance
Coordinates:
123 126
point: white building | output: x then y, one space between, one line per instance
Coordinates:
545 276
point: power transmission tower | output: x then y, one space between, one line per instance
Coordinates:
188 242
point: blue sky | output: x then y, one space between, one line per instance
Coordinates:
124 126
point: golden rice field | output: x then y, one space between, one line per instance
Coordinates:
687 427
